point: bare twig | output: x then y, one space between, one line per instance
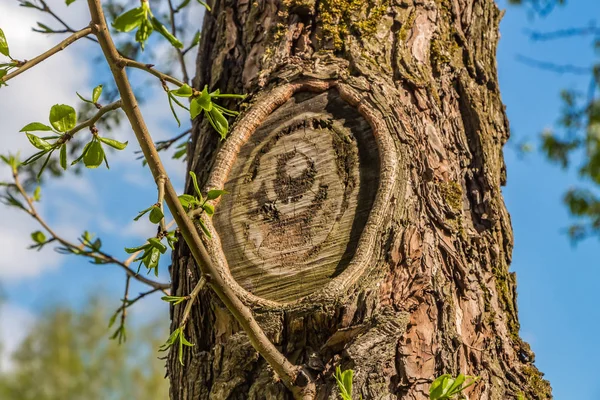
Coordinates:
67 29
563 33
558 68
59 47
126 62
160 184
191 298
180 53
95 254
284 369
162 145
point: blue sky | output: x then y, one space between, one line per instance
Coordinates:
556 281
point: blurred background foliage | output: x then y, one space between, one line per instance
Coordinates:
67 355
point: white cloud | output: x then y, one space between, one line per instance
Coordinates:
29 98
15 321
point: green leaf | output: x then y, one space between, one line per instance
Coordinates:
35 157
85 150
113 143
44 165
174 299
94 156
3 73
218 121
171 239
112 320
35 127
171 98
181 152
96 92
143 32
130 20
209 209
440 386
63 156
195 183
195 108
170 341
142 213
83 98
69 2
217 95
196 39
185 341
160 28
204 228
205 5
215 194
45 28
38 237
205 100
63 117
155 243
131 250
184 91
156 215
187 200
3 44
151 260
38 143
183 4
37 194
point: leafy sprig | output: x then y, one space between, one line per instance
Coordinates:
203 102
446 387
142 19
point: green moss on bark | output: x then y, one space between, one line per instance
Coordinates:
339 18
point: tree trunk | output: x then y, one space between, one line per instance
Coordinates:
364 223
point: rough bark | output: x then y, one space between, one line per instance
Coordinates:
392 108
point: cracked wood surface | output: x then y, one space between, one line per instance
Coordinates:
298 197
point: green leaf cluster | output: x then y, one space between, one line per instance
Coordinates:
203 102
577 140
174 300
89 247
142 19
5 51
344 382
190 202
96 92
155 216
151 252
177 338
63 120
446 387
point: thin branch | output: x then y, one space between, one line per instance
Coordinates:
126 62
162 145
180 53
190 302
282 367
563 33
558 68
108 259
48 10
59 47
92 121
160 184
